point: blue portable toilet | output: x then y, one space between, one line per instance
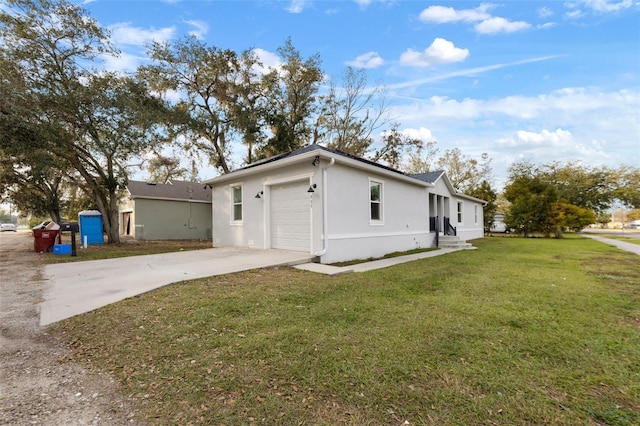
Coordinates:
91 227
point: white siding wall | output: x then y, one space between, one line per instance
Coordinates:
352 235
254 230
469 229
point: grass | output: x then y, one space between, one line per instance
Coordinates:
518 332
622 238
124 249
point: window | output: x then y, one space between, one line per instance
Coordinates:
459 211
237 202
475 214
375 192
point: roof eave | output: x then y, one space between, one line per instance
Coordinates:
234 176
145 197
470 198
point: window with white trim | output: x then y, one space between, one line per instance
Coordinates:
475 214
375 200
236 203
459 211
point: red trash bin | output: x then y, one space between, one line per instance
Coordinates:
44 239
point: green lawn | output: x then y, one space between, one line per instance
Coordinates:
518 332
125 248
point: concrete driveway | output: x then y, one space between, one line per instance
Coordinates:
76 288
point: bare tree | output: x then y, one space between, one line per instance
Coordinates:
351 114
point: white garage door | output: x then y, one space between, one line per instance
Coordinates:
290 217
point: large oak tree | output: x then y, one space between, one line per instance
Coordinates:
93 121
217 91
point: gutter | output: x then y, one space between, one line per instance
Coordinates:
325 209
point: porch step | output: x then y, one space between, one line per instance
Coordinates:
453 242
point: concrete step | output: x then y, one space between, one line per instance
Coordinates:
453 242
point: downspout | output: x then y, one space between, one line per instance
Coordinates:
325 220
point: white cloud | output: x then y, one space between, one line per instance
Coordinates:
607 6
124 62
500 25
546 145
485 22
574 123
441 51
597 6
367 60
363 3
124 34
442 14
574 14
411 84
200 28
546 25
557 138
421 133
268 59
297 6
545 12
171 95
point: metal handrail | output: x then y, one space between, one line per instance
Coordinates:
448 228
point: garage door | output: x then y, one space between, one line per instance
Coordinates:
290 217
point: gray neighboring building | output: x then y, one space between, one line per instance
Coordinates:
176 210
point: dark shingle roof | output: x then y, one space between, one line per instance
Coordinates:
174 190
429 177
313 147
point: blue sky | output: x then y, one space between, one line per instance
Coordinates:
535 80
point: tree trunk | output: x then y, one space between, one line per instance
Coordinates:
55 216
111 222
112 227
108 207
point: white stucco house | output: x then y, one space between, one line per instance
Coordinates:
337 207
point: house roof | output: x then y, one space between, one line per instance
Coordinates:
424 179
433 177
177 190
315 147
430 177
317 150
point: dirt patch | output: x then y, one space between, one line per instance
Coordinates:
38 386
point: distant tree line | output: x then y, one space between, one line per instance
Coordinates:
552 197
